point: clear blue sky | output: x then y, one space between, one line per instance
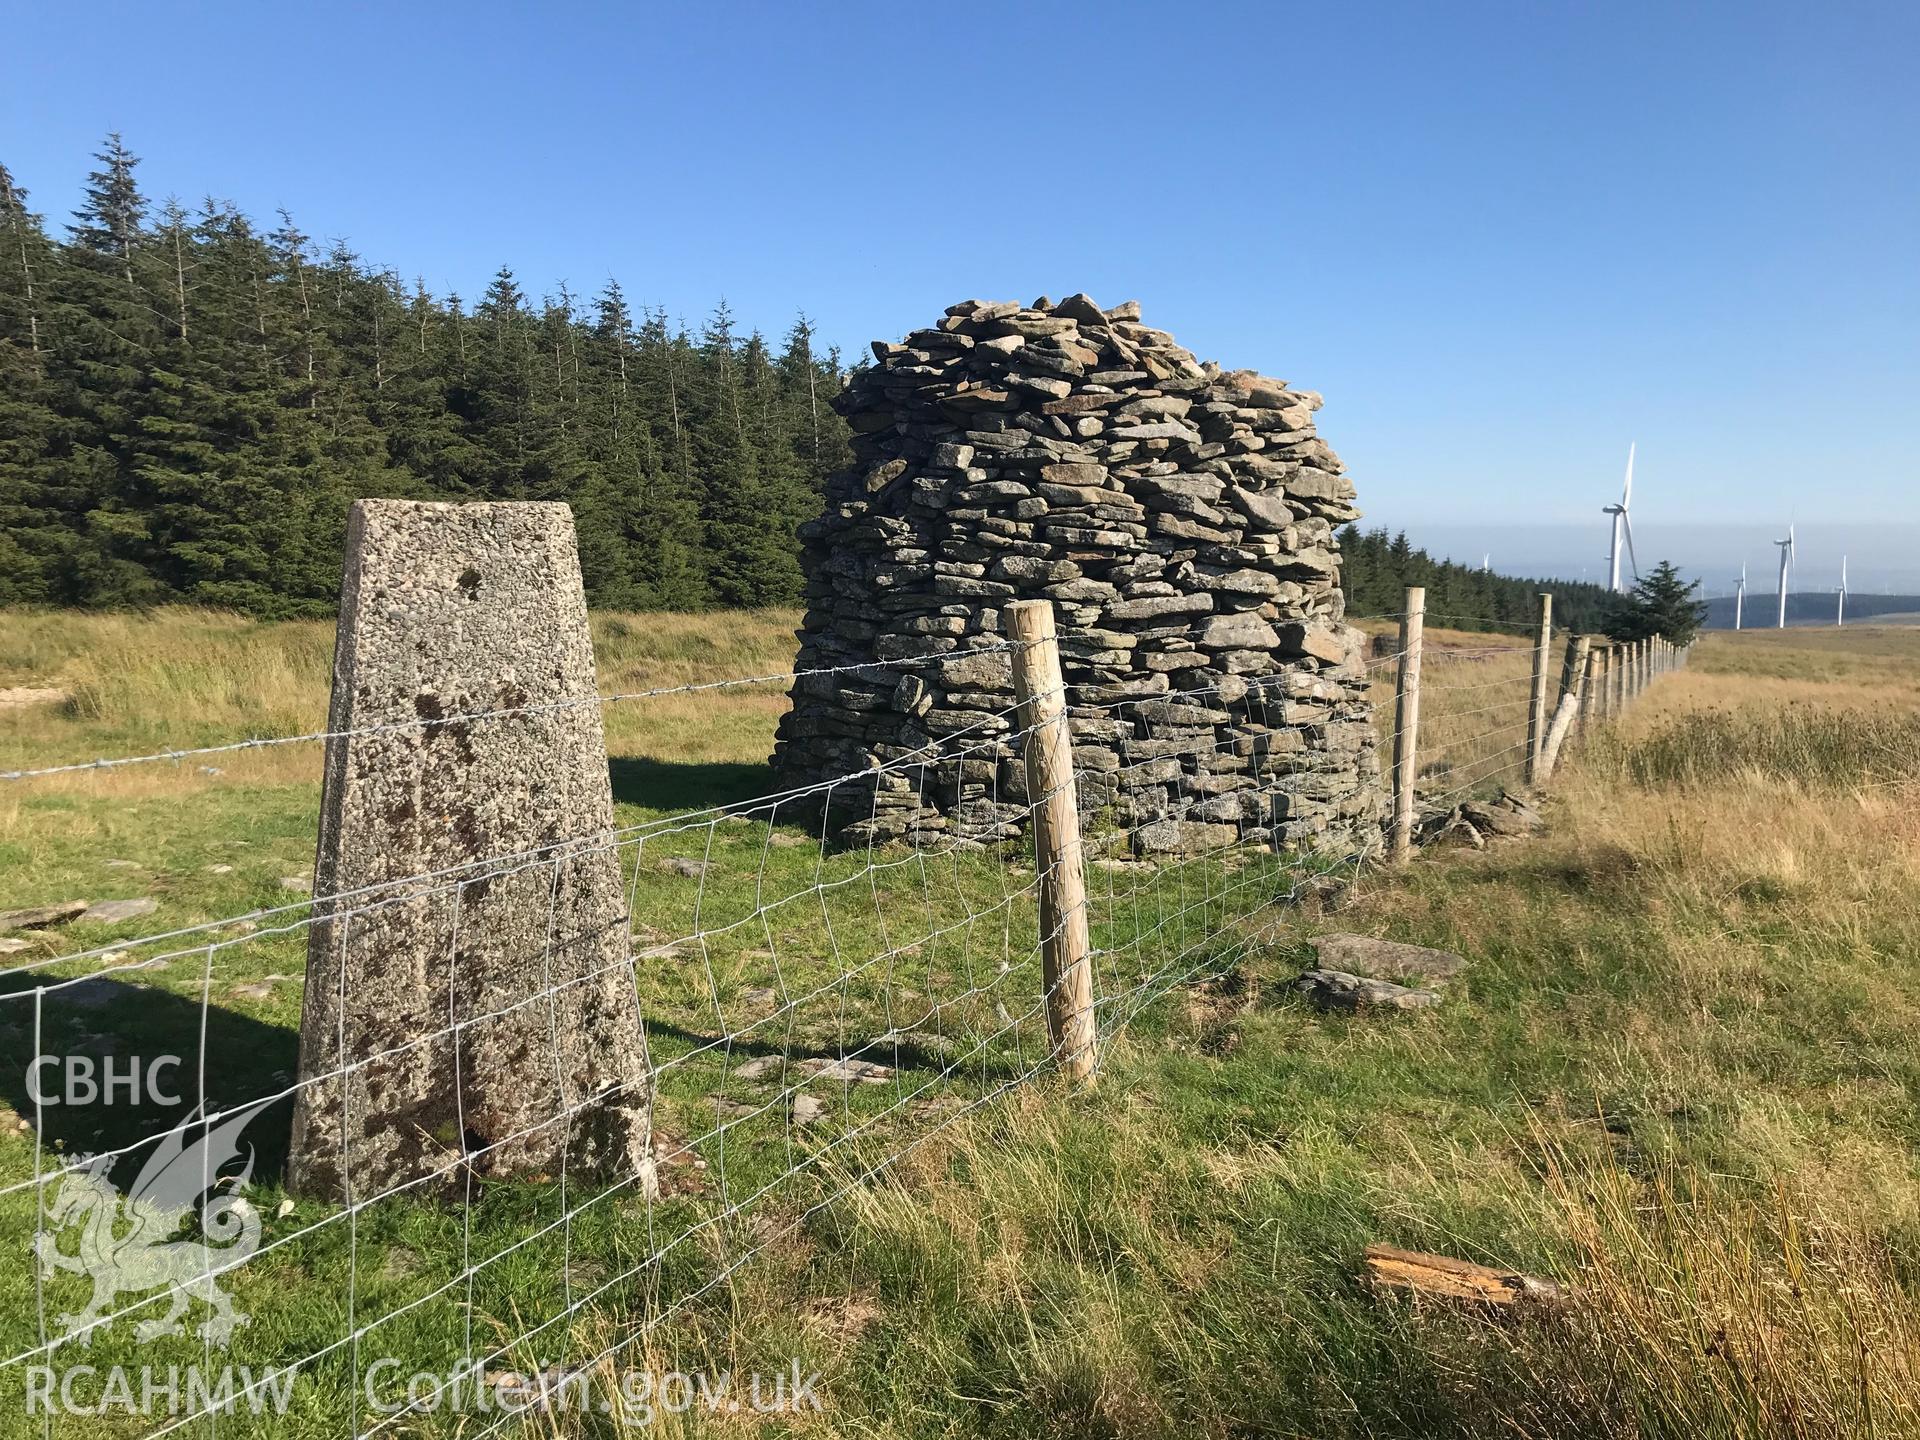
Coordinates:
1504 240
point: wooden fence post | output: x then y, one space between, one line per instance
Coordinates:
1406 720
1537 712
1573 674
1066 966
1589 688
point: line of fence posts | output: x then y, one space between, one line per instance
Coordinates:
1598 679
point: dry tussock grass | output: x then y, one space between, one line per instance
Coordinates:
1676 1077
177 679
1701 1312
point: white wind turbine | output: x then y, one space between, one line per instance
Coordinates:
1786 563
1622 524
1740 595
1840 614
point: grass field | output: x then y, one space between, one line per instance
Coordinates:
1677 1075
891 991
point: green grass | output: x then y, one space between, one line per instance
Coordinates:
1678 1075
914 967
923 964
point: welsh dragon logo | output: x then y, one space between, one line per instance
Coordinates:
133 1245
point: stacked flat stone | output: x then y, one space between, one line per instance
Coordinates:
1180 517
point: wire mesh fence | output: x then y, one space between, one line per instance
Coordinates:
809 1012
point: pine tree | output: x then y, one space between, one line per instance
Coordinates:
108 328
109 220
25 259
741 475
498 395
291 260
644 536
37 523
1663 604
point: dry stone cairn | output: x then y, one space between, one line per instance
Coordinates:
468 966
1180 517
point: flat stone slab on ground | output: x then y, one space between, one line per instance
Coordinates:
1337 990
112 912
1385 959
807 1109
850 1070
38 917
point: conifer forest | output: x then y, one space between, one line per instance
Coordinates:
190 399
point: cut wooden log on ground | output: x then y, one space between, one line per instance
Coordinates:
1445 1278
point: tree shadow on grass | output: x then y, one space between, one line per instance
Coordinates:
86 1025
674 787
677 788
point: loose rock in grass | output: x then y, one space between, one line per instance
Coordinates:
112 912
1385 959
1337 990
39 917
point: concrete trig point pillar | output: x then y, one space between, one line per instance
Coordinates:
474 982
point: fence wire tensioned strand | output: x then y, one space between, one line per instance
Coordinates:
811 1012
471 717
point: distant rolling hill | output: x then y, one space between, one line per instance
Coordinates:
1814 607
